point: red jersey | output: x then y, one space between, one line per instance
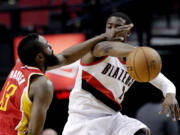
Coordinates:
15 104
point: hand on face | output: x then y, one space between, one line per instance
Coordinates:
170 104
119 33
123 28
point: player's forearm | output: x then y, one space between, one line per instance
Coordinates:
76 52
111 48
122 50
38 116
36 127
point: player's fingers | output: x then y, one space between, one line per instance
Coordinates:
172 110
124 27
167 111
177 111
119 38
26 132
129 26
162 109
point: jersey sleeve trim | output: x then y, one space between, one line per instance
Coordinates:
27 95
123 62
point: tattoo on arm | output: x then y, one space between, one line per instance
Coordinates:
107 48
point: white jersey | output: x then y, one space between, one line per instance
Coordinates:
95 101
100 86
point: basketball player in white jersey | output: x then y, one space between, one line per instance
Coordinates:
102 81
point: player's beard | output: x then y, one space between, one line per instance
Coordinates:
51 60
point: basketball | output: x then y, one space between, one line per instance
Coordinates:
143 64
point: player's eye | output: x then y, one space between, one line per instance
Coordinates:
109 26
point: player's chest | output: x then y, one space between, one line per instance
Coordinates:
111 69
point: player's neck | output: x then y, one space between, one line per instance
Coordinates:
40 67
43 69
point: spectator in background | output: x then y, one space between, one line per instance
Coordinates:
159 125
49 131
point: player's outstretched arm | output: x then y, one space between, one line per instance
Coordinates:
112 48
41 94
74 53
170 103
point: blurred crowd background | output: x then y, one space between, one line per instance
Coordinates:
157 24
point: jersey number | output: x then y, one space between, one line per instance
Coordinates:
123 91
8 92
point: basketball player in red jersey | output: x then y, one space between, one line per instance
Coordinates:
27 93
102 81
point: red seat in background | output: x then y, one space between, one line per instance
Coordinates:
5 19
34 18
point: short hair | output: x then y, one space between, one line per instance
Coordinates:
122 15
28 48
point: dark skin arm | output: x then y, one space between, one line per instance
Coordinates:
41 94
74 53
112 48
108 48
